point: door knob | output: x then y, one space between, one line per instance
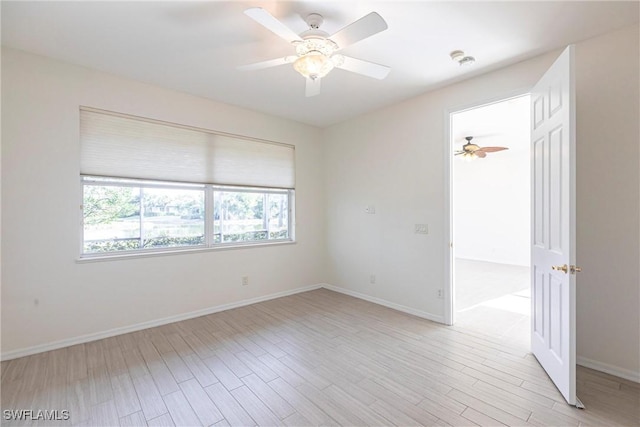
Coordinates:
574 269
563 268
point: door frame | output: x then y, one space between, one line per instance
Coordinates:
449 234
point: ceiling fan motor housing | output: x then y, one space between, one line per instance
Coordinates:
314 20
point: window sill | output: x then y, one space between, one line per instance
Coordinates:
174 251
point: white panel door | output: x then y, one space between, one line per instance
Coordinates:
553 320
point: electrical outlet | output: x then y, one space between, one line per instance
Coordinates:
422 229
370 209
440 293
245 280
372 279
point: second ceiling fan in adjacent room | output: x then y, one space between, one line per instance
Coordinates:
470 151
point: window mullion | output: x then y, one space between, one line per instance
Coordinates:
209 216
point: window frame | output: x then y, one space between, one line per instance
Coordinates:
209 217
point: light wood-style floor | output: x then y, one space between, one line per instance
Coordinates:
494 299
315 358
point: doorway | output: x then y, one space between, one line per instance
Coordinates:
491 220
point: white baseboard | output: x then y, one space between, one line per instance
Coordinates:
627 374
380 301
588 363
145 325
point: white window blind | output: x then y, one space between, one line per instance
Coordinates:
122 146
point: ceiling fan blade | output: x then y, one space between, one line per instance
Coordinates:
265 64
457 153
491 149
313 87
480 154
366 68
272 24
364 27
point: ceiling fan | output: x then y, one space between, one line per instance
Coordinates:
470 151
315 50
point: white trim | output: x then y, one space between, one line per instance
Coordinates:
616 371
150 324
380 301
449 317
133 254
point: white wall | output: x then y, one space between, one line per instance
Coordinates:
491 196
608 200
41 198
393 159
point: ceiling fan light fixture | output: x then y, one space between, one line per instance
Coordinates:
467 157
313 65
315 49
314 57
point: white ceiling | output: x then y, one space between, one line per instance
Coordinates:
195 47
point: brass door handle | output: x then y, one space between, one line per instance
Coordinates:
573 269
563 268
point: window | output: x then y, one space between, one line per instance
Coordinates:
120 215
128 215
245 215
150 186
